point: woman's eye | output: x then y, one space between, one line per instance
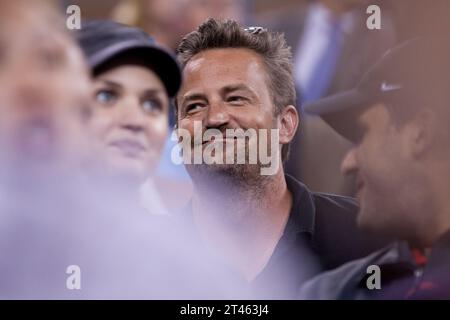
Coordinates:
105 96
152 106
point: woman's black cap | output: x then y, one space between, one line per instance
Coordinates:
103 40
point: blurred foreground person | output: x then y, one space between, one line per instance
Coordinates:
268 226
44 91
134 80
400 113
65 234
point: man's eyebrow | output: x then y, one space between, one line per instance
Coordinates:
225 90
192 96
236 87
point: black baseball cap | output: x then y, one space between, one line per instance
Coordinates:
104 40
415 71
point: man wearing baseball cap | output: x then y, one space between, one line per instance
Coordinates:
401 150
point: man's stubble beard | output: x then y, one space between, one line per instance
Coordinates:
235 191
245 176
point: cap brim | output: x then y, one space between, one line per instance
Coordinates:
337 103
340 111
163 63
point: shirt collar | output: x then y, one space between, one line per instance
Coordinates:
302 215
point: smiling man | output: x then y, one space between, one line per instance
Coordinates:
400 113
270 229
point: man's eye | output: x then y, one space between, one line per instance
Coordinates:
194 107
237 99
152 106
357 135
105 96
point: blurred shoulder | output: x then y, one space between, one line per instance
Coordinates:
344 282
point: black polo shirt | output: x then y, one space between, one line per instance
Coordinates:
321 234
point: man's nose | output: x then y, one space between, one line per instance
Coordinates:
217 116
349 163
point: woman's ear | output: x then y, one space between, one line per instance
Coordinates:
289 121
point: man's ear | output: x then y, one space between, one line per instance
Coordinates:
420 133
288 124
